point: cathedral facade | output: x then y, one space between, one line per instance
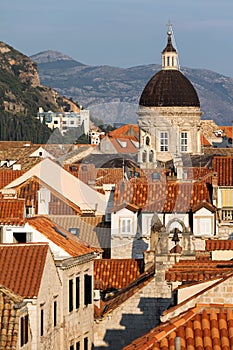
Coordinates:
169 113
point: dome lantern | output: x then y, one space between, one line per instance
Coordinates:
169 54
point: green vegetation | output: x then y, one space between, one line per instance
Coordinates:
20 100
14 128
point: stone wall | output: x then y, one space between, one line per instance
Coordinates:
78 323
133 318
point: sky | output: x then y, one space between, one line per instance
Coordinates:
122 33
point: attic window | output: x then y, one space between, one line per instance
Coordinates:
123 144
135 143
60 232
84 168
74 230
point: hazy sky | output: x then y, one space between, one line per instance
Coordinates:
122 33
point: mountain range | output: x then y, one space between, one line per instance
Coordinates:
98 86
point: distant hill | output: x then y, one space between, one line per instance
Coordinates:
21 94
95 85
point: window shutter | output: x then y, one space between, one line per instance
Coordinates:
71 306
88 289
77 292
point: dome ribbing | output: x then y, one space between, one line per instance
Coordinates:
169 88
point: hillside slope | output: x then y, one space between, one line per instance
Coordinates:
20 88
21 94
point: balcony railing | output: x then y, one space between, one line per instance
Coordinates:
227 214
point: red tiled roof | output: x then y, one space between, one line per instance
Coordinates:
204 327
93 230
62 238
131 207
204 141
10 313
58 204
197 270
7 176
224 167
22 266
116 273
124 294
129 146
206 205
218 244
12 208
160 196
128 130
99 176
199 173
228 130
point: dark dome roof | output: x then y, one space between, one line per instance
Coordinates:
169 88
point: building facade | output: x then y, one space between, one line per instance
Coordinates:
169 113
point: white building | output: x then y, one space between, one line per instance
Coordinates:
65 120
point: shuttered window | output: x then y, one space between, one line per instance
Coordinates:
227 197
87 289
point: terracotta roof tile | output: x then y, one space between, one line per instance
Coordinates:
124 145
19 155
204 141
224 167
124 294
218 244
99 176
62 238
21 267
204 327
228 131
93 230
9 316
12 208
116 273
196 270
8 175
58 205
160 196
128 130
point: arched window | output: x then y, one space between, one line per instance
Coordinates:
144 156
147 141
151 156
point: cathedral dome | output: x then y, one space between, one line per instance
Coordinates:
169 88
